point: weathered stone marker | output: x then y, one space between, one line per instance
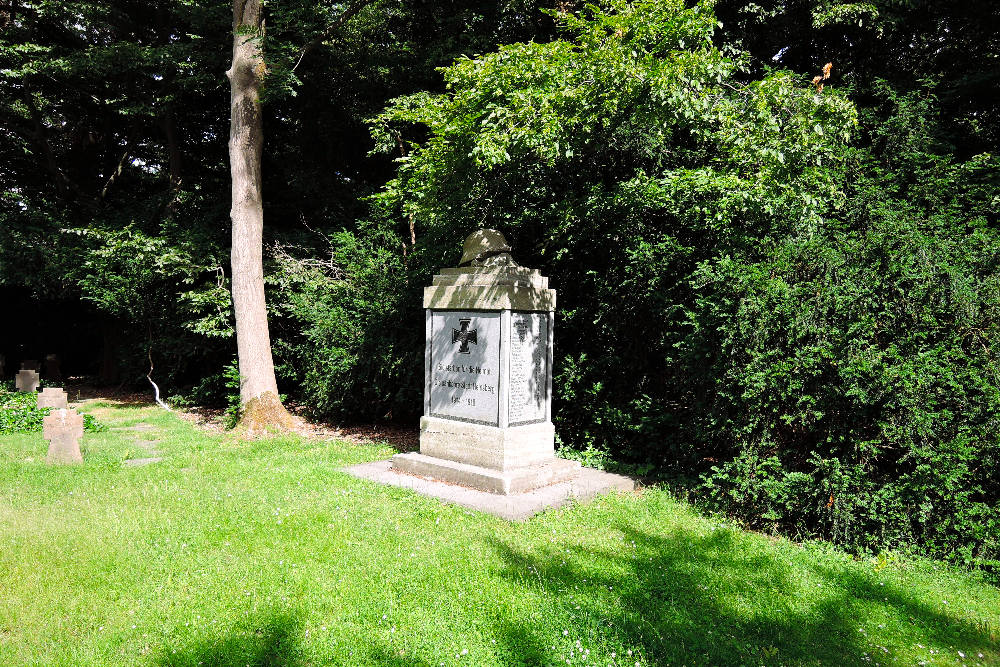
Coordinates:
27 380
63 429
487 420
31 365
53 397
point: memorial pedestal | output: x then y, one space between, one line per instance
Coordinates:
498 460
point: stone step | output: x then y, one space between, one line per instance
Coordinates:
503 482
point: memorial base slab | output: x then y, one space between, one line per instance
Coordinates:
491 480
585 485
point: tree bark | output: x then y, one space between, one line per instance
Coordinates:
261 409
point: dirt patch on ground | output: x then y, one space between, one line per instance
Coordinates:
79 391
403 438
406 439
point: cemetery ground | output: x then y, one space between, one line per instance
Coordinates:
229 552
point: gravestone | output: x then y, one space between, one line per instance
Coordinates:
63 429
53 397
31 365
52 370
487 420
27 380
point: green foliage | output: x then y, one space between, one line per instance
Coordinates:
353 360
854 371
231 380
19 413
798 328
108 197
115 189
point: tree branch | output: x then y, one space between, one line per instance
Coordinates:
116 173
156 389
62 181
331 29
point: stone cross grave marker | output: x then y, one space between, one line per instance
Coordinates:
487 420
63 429
27 380
53 397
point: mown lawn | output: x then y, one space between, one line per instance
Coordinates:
262 553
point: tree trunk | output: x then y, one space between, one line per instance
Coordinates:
261 408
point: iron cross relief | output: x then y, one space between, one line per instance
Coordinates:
465 336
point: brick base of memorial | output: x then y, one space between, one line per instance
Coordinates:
585 485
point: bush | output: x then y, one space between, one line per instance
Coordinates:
19 413
853 393
354 343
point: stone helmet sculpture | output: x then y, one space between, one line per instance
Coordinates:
486 247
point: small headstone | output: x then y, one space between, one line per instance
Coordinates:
31 365
63 429
27 380
52 370
53 397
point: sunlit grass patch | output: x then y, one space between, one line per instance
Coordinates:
233 552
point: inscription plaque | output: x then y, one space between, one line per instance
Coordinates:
528 361
465 366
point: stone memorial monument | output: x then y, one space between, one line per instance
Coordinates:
63 429
53 397
27 380
487 420
31 365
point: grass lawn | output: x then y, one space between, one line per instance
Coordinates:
262 553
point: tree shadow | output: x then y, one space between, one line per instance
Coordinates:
707 599
268 642
275 640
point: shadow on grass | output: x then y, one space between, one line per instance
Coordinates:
712 599
271 641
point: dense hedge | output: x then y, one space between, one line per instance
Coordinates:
852 387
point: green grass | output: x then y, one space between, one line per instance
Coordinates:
262 553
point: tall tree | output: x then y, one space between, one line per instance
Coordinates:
260 405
